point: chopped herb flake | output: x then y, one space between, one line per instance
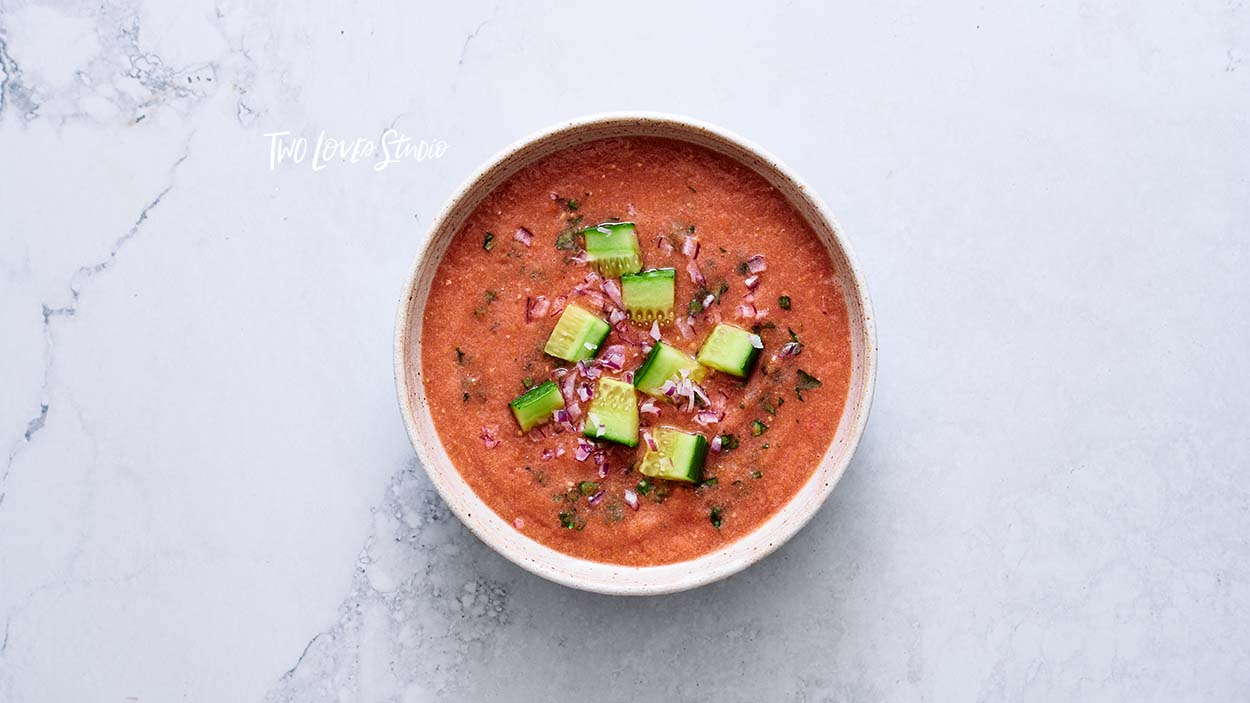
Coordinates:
806 382
757 474
587 488
488 242
572 204
644 487
742 268
714 516
566 241
758 428
784 302
568 519
728 442
709 482
459 356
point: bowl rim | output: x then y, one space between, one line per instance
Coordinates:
866 320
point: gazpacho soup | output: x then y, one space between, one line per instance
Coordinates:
635 351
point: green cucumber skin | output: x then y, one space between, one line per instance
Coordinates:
697 459
735 356
651 290
593 330
619 427
647 378
534 407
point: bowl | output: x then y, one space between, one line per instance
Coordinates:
498 533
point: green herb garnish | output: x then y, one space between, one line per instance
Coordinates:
459 356
572 204
806 382
727 442
742 268
724 287
489 242
714 516
758 428
528 382
784 302
696 305
643 487
757 474
568 520
709 482
587 488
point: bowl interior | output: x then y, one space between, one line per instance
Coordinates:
498 533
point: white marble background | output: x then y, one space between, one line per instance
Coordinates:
207 494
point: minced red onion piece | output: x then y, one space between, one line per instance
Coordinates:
583 450
756 341
558 306
696 275
518 522
649 407
488 437
596 498
575 411
629 376
761 313
592 372
568 386
716 442
707 301
746 310
631 499
698 391
559 372
748 299
629 207
686 325
690 247
536 307
655 330
664 245
751 282
560 415
537 434
548 455
580 257
523 236
669 389
560 450
585 392
789 349
706 417
613 289
616 317
646 436
756 264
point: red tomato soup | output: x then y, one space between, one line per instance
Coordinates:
742 256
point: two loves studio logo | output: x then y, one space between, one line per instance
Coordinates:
393 147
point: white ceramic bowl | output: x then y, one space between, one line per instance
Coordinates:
497 532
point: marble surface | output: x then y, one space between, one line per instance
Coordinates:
207 493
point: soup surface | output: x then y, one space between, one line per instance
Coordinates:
517 262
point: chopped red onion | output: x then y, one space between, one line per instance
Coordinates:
706 417
669 389
696 276
602 463
697 390
749 299
592 372
664 245
488 437
649 407
751 282
616 318
629 207
558 306
655 330
716 443
575 411
646 436
523 236
756 264
756 341
580 257
686 325
559 372
746 310
560 415
518 522
584 449
708 300
613 289
789 349
690 247
548 455
631 499
537 434
629 376
536 307
560 450
598 497
761 313
584 393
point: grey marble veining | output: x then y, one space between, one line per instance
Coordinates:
207 494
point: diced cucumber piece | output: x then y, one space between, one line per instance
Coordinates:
730 349
577 335
678 456
613 248
666 363
613 413
649 295
535 406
